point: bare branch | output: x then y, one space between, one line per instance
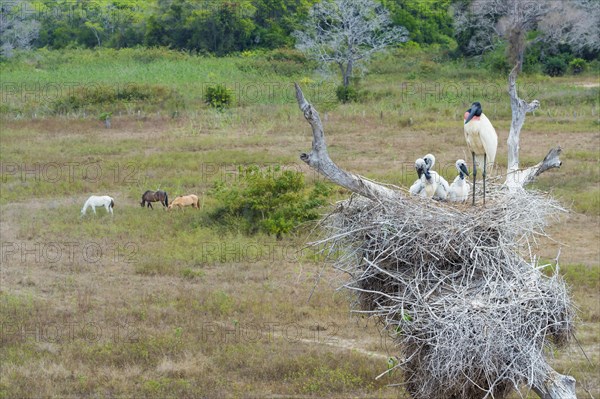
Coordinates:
520 178
347 33
18 29
573 22
319 160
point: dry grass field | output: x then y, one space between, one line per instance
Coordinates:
161 304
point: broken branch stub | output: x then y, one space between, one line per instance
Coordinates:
556 386
516 178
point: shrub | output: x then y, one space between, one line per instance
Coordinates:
555 66
218 96
496 60
112 95
346 94
286 62
268 200
284 54
577 65
428 68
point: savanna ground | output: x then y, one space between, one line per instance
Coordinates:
151 303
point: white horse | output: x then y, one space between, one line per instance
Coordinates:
94 201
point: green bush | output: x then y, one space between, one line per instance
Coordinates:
286 62
555 66
218 96
577 65
346 94
112 95
271 201
428 68
496 60
284 54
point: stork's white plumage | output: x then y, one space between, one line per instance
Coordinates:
429 160
435 186
459 189
482 142
418 186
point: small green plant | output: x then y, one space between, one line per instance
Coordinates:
270 200
346 94
218 96
191 274
104 116
391 363
220 303
577 65
178 332
555 66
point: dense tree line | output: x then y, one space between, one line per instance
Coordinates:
224 26
211 26
207 26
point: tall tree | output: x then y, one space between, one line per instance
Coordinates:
277 19
482 24
18 28
346 33
427 21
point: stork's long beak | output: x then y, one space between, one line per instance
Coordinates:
420 171
464 169
472 111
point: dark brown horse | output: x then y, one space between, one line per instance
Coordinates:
154 196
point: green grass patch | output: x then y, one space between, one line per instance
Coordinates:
106 97
582 275
165 387
192 273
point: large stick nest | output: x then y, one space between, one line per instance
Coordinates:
472 318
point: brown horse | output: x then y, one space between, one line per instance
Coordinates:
154 196
185 200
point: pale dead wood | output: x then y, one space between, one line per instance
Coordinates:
557 386
515 177
319 160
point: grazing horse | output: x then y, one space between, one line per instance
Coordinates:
94 201
185 200
154 196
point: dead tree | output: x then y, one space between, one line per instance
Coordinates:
470 315
516 178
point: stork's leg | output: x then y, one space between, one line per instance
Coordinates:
484 170
474 177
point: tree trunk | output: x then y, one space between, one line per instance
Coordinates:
557 386
343 71
348 74
515 177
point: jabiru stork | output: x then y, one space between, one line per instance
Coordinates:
482 142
